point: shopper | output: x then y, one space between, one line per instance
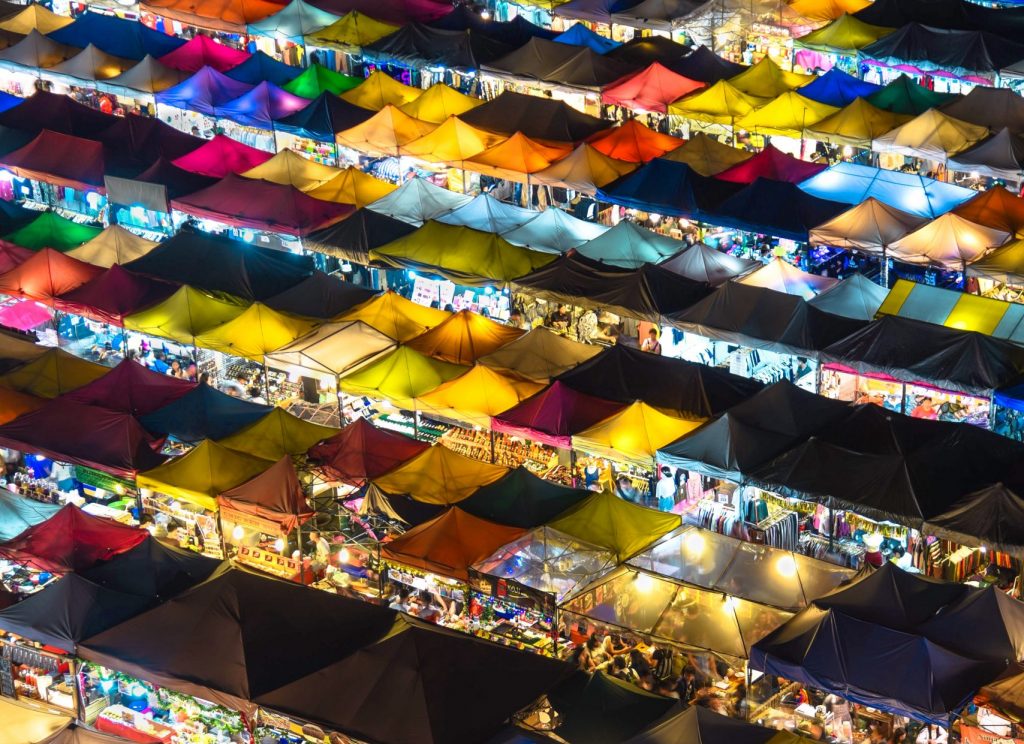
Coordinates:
651 344
666 490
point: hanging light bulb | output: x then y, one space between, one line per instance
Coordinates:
786 566
279 545
238 532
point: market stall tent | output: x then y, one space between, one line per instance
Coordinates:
646 50
452 142
57 113
845 35
560 64
202 51
516 158
361 452
584 169
18 513
117 36
554 230
922 49
633 434
931 136
767 80
203 92
855 297
60 159
704 65
705 155
999 156
622 527
537 118
46 275
702 263
380 90
265 104
294 21
277 435
52 230
262 68
949 241
417 46
33 724
777 208
995 108
316 80
384 133
221 156
323 118
354 29
477 395
36 51
995 207
487 214
332 349
418 200
989 517
628 246
255 333
773 164
722 103
320 296
826 10
786 116
114 295
395 316
579 34
399 376
632 142
782 276
856 124
275 495
34 17
438 103
522 499
1005 264
52 373
440 476
463 338
92 64
953 309
227 16
650 90
203 413
598 708
904 96
539 355
184 315
668 187
354 237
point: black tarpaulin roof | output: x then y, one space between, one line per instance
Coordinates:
777 208
992 516
422 45
995 108
644 50
671 188
177 181
354 237
324 117
321 296
704 65
57 113
596 708
535 117
700 725
962 52
521 499
554 62
514 33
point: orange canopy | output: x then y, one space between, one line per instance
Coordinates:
464 337
449 544
516 157
995 207
14 404
634 143
218 15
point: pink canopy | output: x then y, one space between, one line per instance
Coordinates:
131 388
200 51
772 164
262 205
115 294
554 415
221 156
24 315
652 89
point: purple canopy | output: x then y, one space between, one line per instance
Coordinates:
554 414
115 294
203 92
262 106
131 388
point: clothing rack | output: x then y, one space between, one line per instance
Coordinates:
780 530
839 552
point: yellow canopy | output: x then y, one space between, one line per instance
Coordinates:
332 349
845 35
584 169
826 10
856 124
707 156
115 245
464 337
948 241
202 473
352 186
395 316
440 476
619 526
786 116
540 355
380 90
452 142
932 136
35 18
290 168
722 103
767 80
400 376
967 312
461 254
184 315
477 395
53 373
276 435
351 30
255 333
26 725
438 102
384 133
634 434
516 157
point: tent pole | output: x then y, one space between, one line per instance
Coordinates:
337 395
885 267
493 458
266 380
572 467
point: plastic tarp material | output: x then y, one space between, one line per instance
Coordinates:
114 245
417 45
417 200
184 315
460 254
999 156
354 29
781 276
202 51
51 230
353 238
203 92
597 11
255 333
516 158
262 106
995 108
361 452
601 709
948 241
60 159
704 65
931 136
52 373
294 21
537 118
221 156
113 295
539 355
440 476
633 435
380 90
487 214
34 17
845 35
399 376
274 494
316 80
130 388
203 413
926 48
521 499
826 10
452 143
323 118
148 75
36 51
340 185
262 68
554 415
385 133
449 544
653 89
227 16
14 404
854 297
320 296
18 513
722 103
47 275
837 88
953 309
664 15
584 169
633 142
776 208
702 263
619 526
261 205
438 103
989 516
463 338
645 50
857 125
773 164
1005 264
276 435
17 350
396 317
852 184
767 80
332 349
698 723
561 64
706 156
554 230
995 207
167 182
904 96
580 35
117 36
786 116
477 395
58 114
34 725
764 319
92 64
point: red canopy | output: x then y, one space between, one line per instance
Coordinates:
71 540
274 494
652 89
115 294
262 205
100 438
47 274
554 414
221 156
202 51
61 159
361 452
131 388
772 164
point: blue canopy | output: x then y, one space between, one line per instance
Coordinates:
116 36
203 92
852 184
262 106
776 208
261 67
203 413
580 35
323 118
670 188
837 88
8 101
18 513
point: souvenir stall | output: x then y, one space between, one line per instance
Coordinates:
58 171
37 675
517 590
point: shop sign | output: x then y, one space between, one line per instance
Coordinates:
272 563
258 524
512 592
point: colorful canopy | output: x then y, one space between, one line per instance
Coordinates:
46 275
948 241
92 64
845 35
633 142
463 338
274 494
651 90
629 246
117 36
51 230
826 10
477 395
34 17
395 316
773 164
353 29
1005 264
262 106
204 91
870 227
460 254
36 51
60 159
1000 156
995 207
516 158
856 125
706 156
115 294
325 182
52 373
440 476
584 169
995 108
418 200
294 21
782 276
554 415
438 103
767 80
323 118
203 413
487 214
262 68
904 96
130 388
14 404
361 452
332 349
317 79
380 90
276 435
702 263
722 103
202 51
554 230
521 499
256 332
786 116
228 16
623 528
18 513
634 434
837 88
221 156
169 181
148 75
184 315
384 133
452 142
399 376
449 544
931 136
645 50
953 309
579 34
539 355
534 116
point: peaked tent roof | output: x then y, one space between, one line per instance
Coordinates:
706 156
622 527
645 50
36 51
438 102
633 142
255 333
722 103
34 17
782 276
395 316
184 315
295 20
904 96
521 499
999 156
854 297
773 164
989 517
93 64
786 115
452 143
516 158
584 169
1005 264
995 108
317 79
845 35
856 124
949 241
117 36
995 207
539 355
767 80
399 376
932 136
203 413
464 337
274 494
598 708
113 295
262 68
204 91
333 348
320 296
173 181
537 118
925 48
361 452
477 395
837 88
562 64
202 51
699 724
664 15
380 90
702 263
632 434
52 230
18 513
262 106
776 208
704 65
354 29
554 415
384 133
418 45
579 34
554 230
60 159
652 89
148 75
46 275
221 156
277 434
52 373
826 10
130 388
487 214
323 118
352 239
440 476
229 16
418 200
597 11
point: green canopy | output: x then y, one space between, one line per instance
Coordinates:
521 499
318 79
620 526
50 230
904 96
18 513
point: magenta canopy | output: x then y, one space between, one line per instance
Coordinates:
262 205
554 415
131 388
24 315
61 159
71 540
772 164
202 51
69 431
221 156
361 452
262 106
203 92
113 295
